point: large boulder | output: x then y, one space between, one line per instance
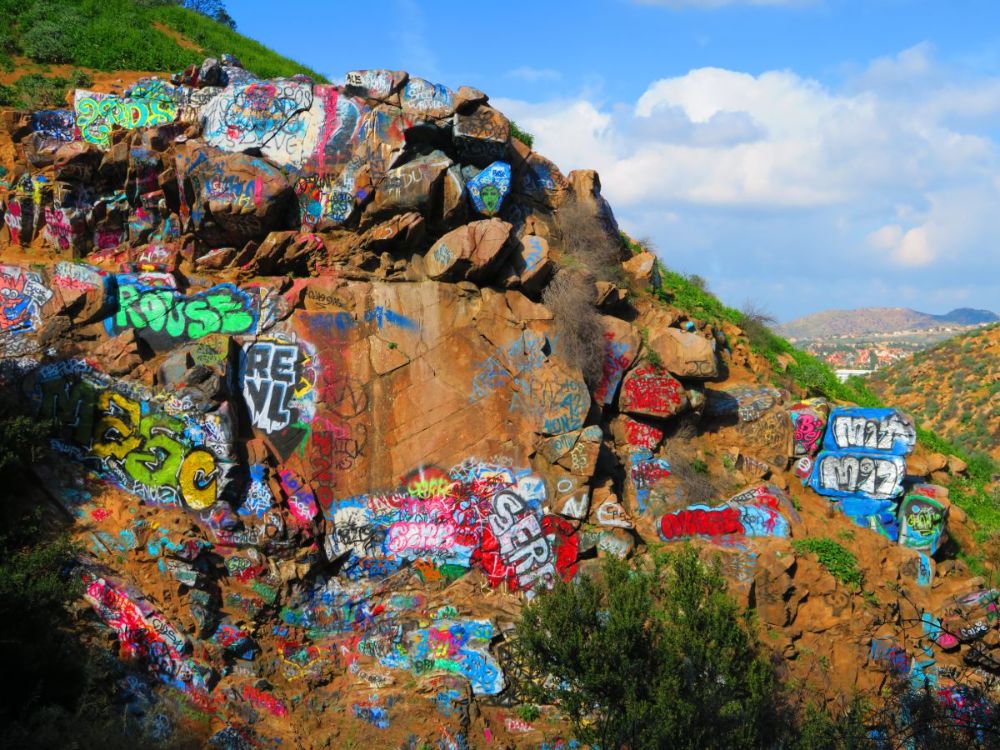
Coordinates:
469 252
229 199
686 355
415 186
649 391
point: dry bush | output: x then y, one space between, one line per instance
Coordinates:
756 322
588 242
695 481
571 297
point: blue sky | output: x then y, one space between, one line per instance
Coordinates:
800 154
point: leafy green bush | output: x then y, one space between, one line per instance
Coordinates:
48 42
652 658
215 38
839 561
36 91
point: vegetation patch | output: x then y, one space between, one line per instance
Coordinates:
120 35
839 561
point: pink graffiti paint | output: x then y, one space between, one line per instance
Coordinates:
408 535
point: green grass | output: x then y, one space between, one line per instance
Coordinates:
522 135
839 561
119 35
215 38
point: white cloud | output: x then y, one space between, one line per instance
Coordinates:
906 248
896 172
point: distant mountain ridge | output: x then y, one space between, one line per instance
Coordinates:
879 320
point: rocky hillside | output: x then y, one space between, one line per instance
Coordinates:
51 45
953 388
878 320
339 376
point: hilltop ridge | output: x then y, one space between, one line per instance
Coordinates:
868 320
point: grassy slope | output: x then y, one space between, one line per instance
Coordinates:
971 493
953 388
120 35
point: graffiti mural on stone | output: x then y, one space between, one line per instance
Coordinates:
22 296
97 113
164 317
870 430
146 635
488 189
758 512
161 449
808 423
263 114
476 515
846 473
278 381
921 522
458 646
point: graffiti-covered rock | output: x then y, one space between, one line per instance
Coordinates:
322 431
649 391
684 354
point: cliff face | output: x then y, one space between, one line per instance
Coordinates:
334 390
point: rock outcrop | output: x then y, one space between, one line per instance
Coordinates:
321 435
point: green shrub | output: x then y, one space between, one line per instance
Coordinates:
839 561
48 42
36 91
652 658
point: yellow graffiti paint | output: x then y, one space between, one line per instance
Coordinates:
197 479
115 434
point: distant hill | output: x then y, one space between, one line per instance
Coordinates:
954 388
879 320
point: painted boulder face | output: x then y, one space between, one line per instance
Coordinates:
489 188
870 431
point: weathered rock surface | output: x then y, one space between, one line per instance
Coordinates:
316 422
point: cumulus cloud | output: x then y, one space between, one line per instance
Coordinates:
887 182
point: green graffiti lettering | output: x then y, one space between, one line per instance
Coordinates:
234 318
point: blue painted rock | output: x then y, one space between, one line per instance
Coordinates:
846 473
488 189
870 431
921 522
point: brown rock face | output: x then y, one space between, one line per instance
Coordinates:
469 252
684 354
